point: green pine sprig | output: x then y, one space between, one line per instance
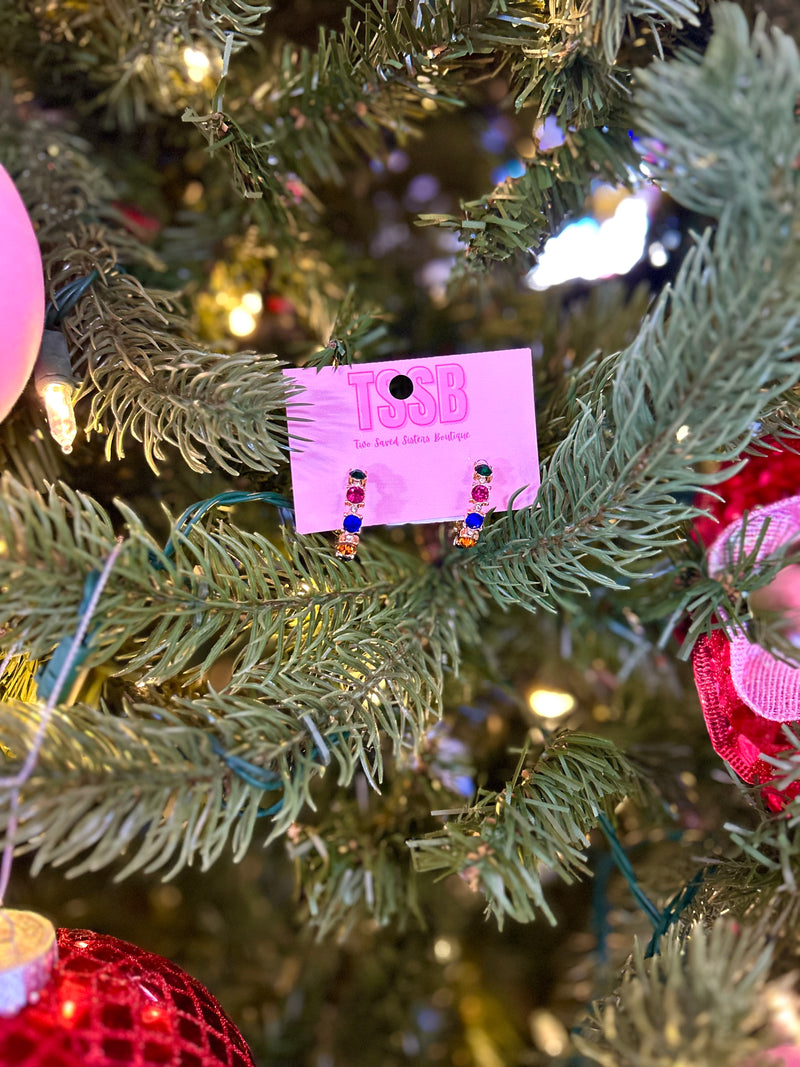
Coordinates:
502 844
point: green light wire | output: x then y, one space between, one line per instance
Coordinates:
661 920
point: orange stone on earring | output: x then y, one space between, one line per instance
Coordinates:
466 538
346 549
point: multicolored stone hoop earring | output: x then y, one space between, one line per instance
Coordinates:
468 534
354 497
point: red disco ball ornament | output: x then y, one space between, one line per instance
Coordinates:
108 1003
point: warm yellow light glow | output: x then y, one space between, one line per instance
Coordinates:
193 193
551 703
445 949
548 1032
252 302
197 63
241 322
783 1012
57 397
682 432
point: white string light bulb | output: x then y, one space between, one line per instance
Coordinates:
52 376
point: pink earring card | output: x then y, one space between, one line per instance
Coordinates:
416 427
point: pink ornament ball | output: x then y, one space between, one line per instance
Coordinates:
21 295
785 1055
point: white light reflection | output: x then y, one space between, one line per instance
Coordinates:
590 249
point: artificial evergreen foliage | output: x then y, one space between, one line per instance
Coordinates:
363 731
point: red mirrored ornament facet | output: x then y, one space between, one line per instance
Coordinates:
109 1003
762 480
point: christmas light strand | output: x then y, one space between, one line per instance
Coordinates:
661 920
17 781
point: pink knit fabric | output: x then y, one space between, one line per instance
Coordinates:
765 683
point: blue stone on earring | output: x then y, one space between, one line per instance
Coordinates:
352 523
474 520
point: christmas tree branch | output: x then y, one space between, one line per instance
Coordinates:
767 851
347 875
713 356
158 791
217 588
520 213
326 107
180 751
334 104
288 707
563 72
711 147
610 18
701 1000
717 354
381 692
138 49
540 819
146 376
352 860
553 57
148 381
